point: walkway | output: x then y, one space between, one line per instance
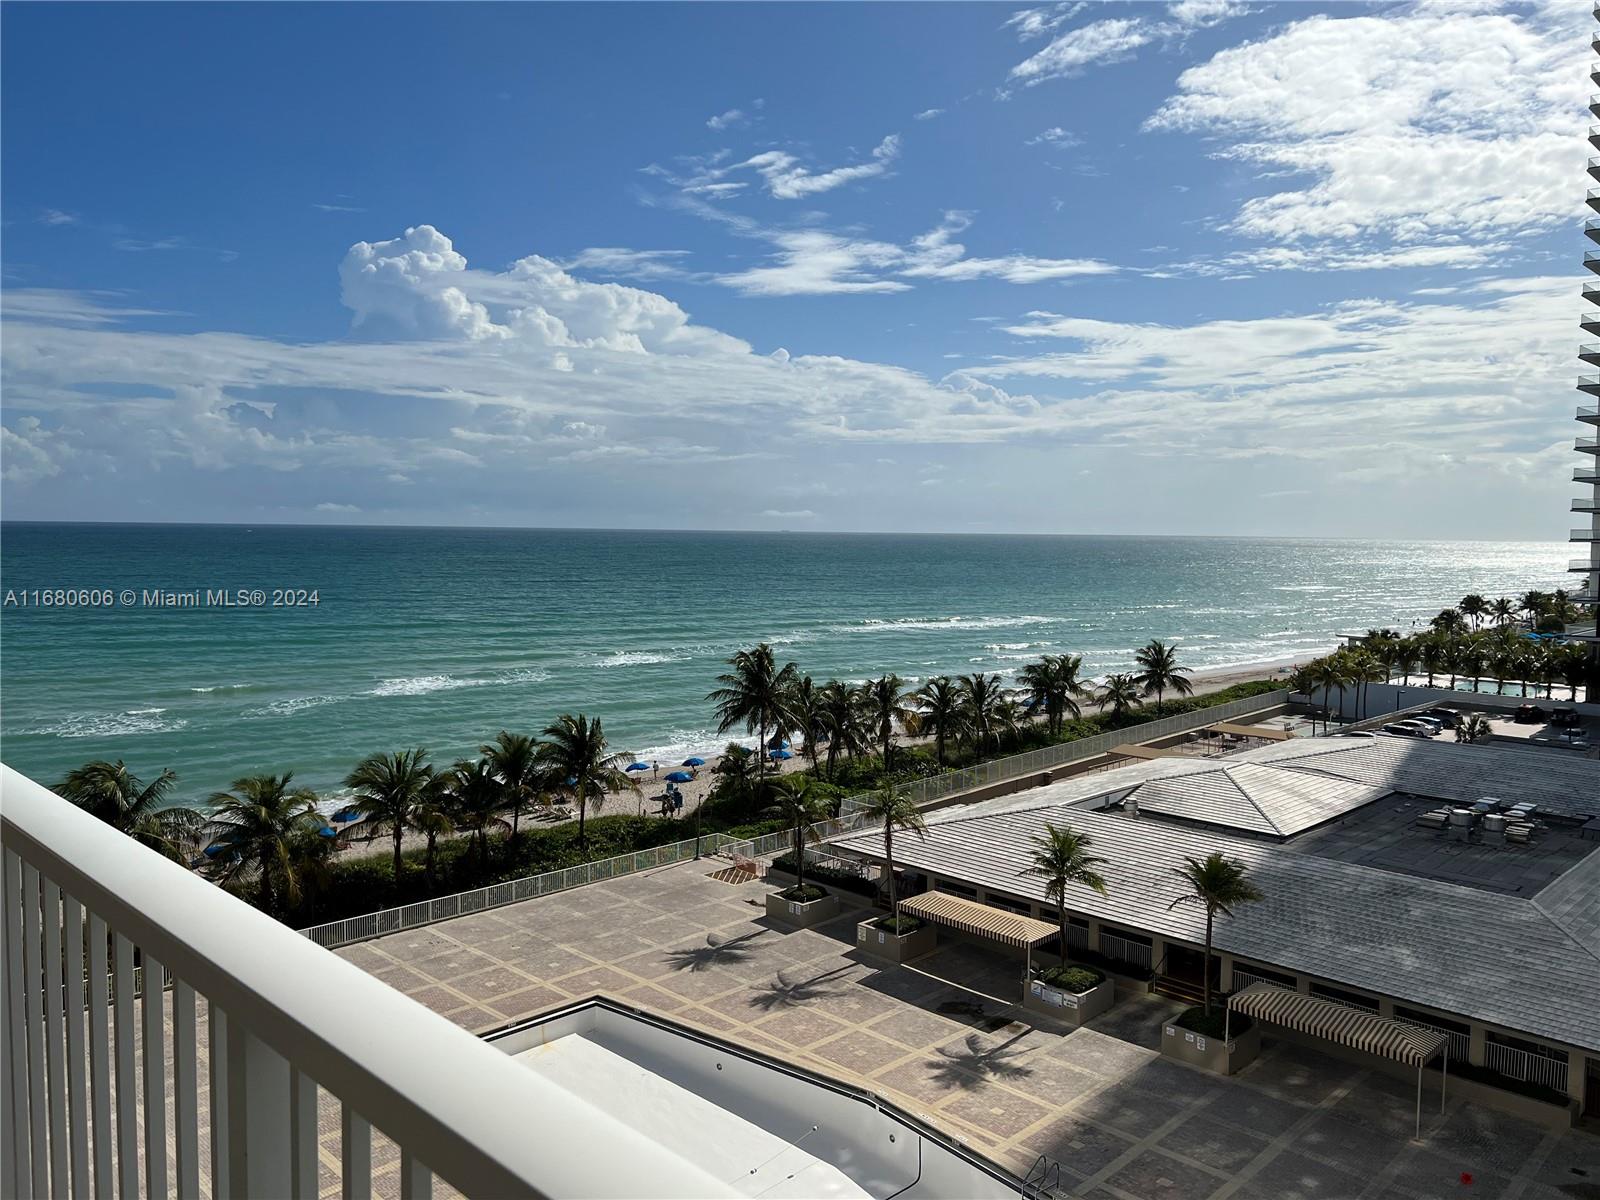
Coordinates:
1124 1122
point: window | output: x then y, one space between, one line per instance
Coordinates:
956 889
1348 999
1008 904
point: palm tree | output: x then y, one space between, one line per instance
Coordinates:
272 829
1505 610
122 800
575 755
796 803
1054 683
513 759
1061 856
1534 603
841 717
1330 673
980 698
1448 621
805 709
1473 606
1120 693
1473 728
477 797
1160 673
895 808
1219 885
939 712
1405 660
735 773
433 816
755 694
388 787
887 706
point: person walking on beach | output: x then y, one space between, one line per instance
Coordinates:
655 769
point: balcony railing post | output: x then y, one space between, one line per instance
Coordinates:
258 1118
18 1143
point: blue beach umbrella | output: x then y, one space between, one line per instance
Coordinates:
638 766
572 781
680 777
346 814
327 831
779 754
694 762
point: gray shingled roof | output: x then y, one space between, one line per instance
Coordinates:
1458 949
1573 902
1255 797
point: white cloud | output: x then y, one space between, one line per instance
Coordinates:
786 179
731 119
937 256
1413 126
55 216
338 208
1097 43
330 507
630 264
1201 14
1054 136
928 114
29 452
788 514
1031 23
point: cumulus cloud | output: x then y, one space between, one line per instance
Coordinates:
1054 136
731 119
1433 122
29 452
928 114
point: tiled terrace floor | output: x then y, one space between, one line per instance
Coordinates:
1123 1121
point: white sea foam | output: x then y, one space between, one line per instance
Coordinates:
421 685
523 675
130 721
941 624
219 687
294 704
637 658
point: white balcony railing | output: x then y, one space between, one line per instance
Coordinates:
1533 1068
261 1027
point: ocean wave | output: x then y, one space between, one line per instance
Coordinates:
421 685
294 704
122 724
220 687
1305 587
523 675
637 658
939 624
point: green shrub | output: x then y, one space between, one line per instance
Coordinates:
898 924
804 894
832 876
1114 965
1216 1025
1072 978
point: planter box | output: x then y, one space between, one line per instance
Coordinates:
878 942
1211 1053
1066 1007
802 914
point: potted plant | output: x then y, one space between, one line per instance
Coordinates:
1071 993
804 904
893 936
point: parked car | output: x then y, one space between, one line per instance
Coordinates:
1433 723
1566 717
1366 733
1428 728
1405 729
1529 714
1448 717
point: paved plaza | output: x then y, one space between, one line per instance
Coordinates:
942 1039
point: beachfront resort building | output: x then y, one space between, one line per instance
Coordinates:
1399 879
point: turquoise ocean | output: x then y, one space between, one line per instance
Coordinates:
441 637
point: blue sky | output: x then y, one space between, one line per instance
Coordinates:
1203 266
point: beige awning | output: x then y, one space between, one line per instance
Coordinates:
1265 732
1129 750
971 917
1410 1044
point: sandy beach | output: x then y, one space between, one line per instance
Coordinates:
649 797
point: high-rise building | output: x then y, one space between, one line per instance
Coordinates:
1586 568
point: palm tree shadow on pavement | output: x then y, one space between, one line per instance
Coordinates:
782 992
975 1062
717 952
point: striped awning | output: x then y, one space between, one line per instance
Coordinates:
971 917
1328 1019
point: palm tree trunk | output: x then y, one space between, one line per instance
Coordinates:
427 862
266 885
800 859
888 860
1208 963
582 801
399 833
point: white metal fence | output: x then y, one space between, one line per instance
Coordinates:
1460 1043
213 1087
1531 1068
936 787
1124 950
442 908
